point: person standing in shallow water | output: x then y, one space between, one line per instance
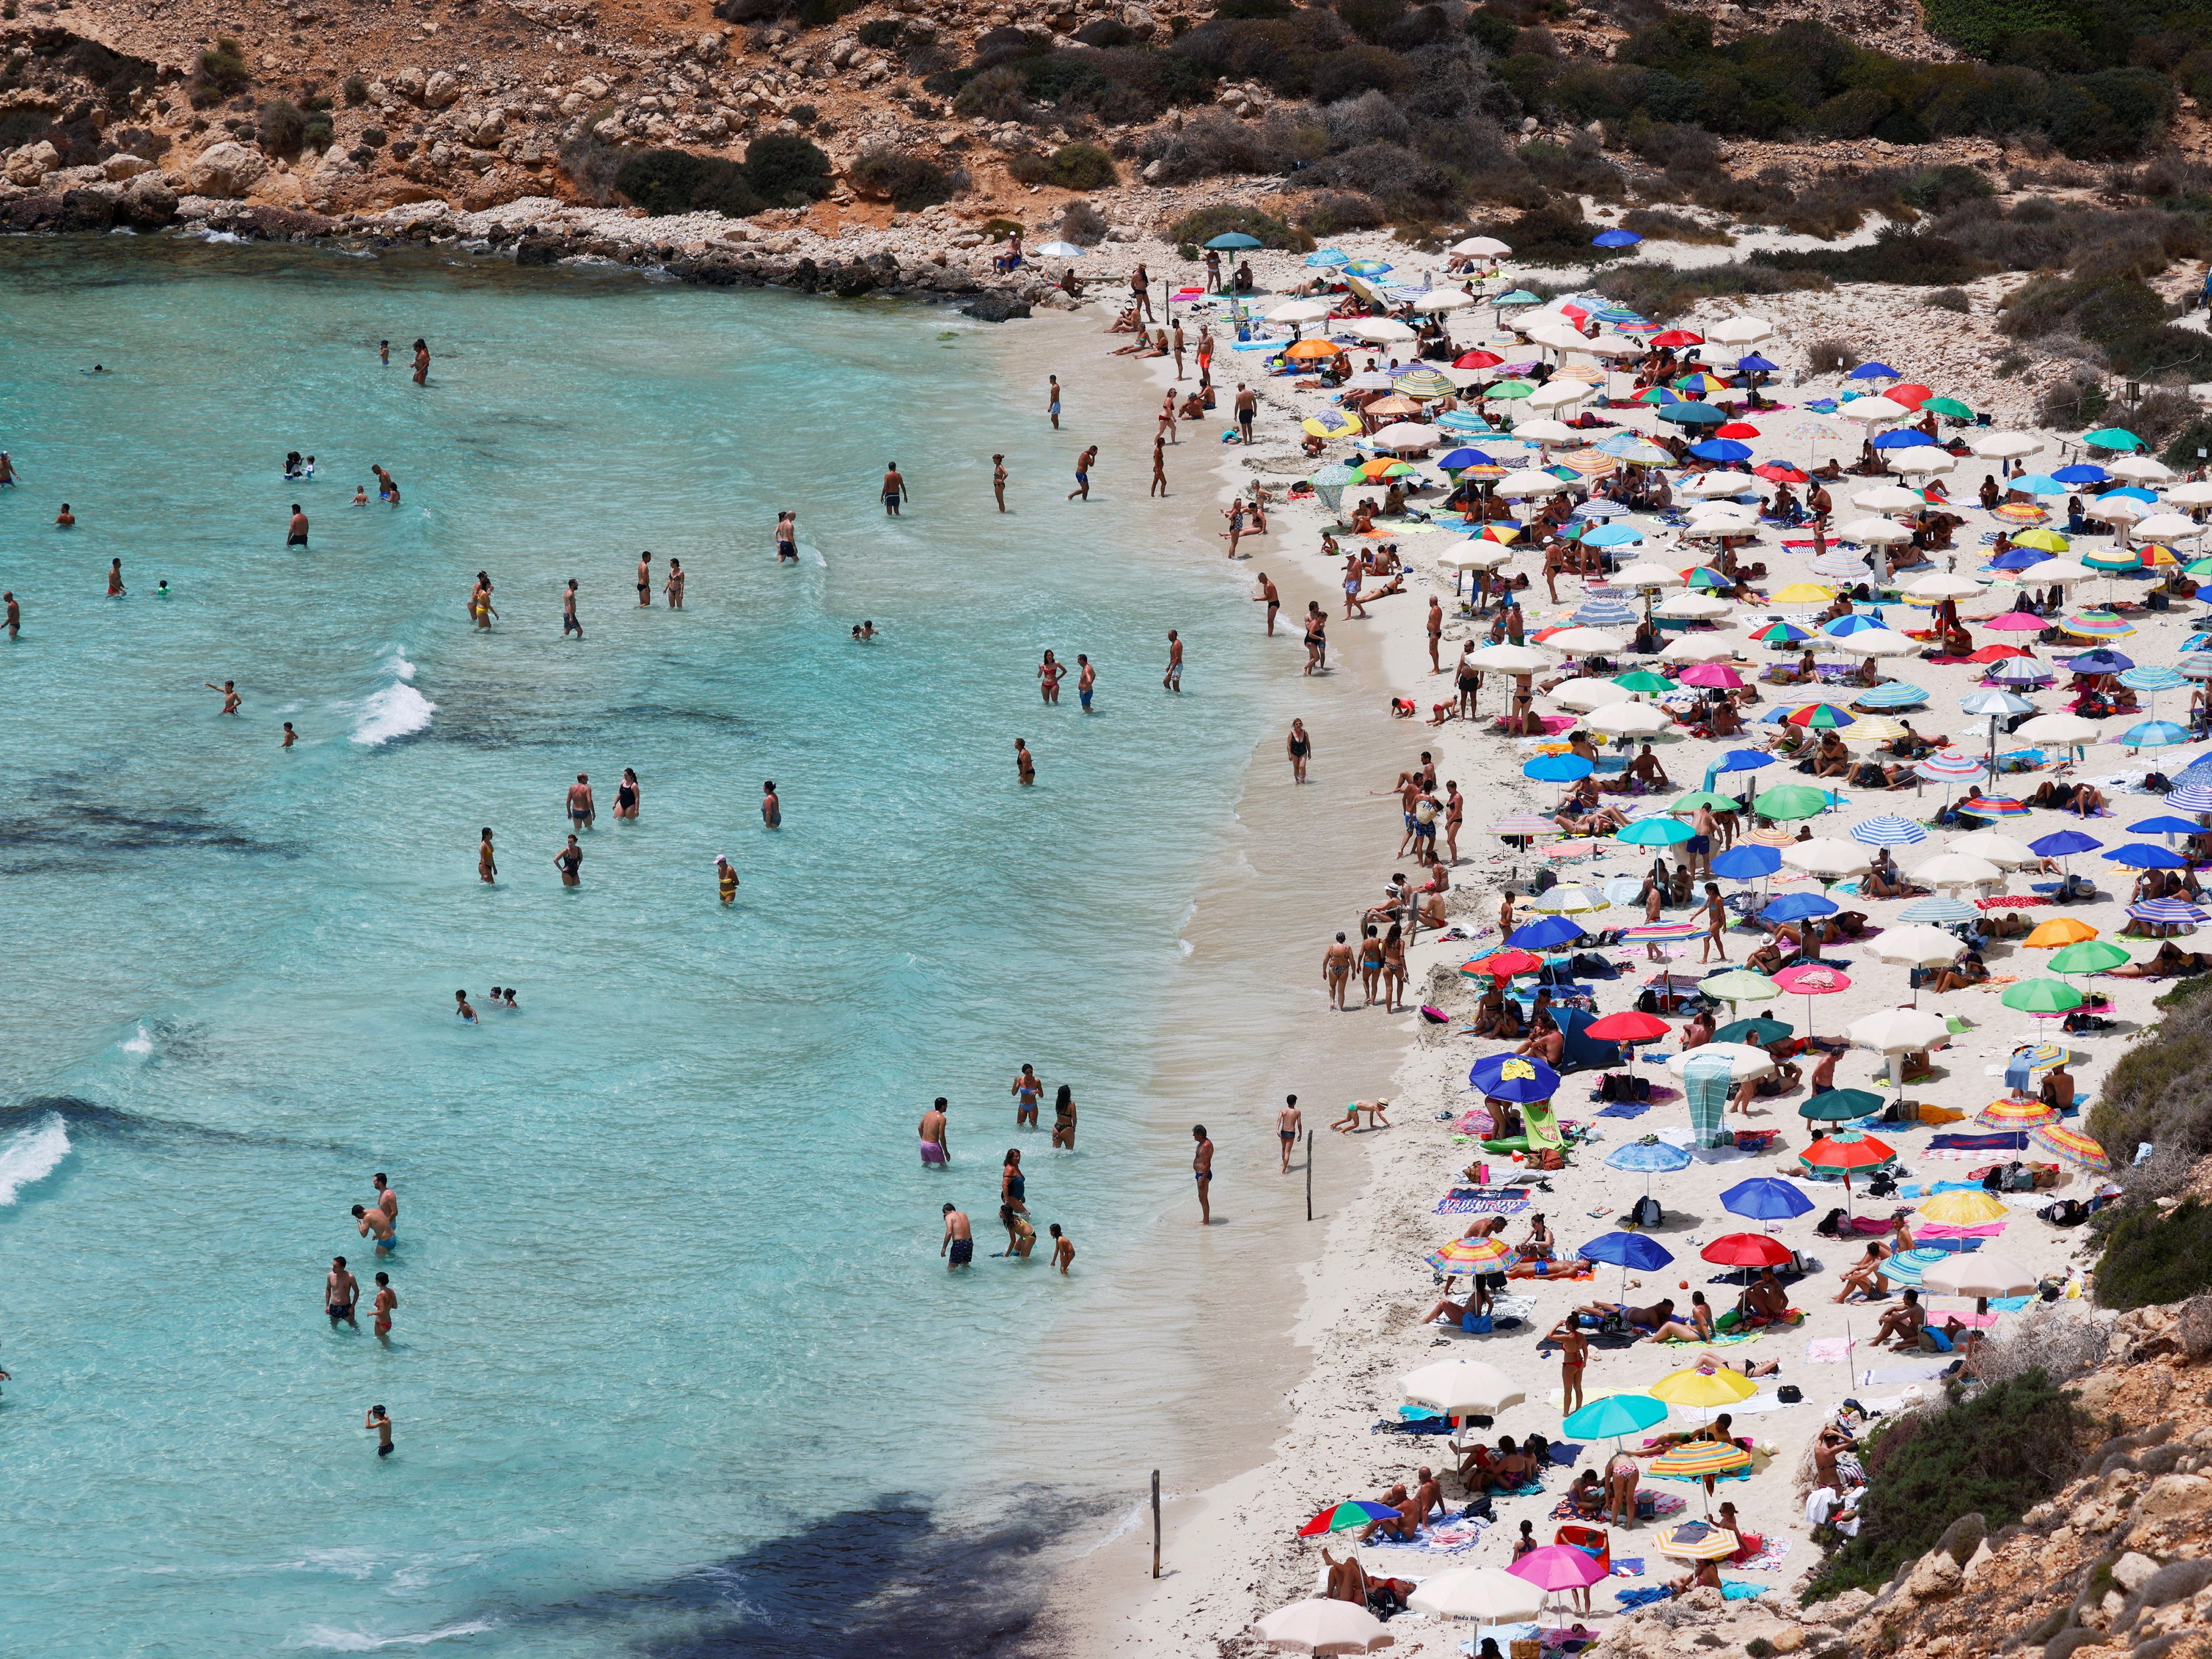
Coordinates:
1025 762
1201 1165
999 480
895 490
487 865
771 807
422 364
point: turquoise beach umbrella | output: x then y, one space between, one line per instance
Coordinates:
1656 831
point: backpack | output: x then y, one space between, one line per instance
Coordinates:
1646 1212
2019 1178
2064 1212
1623 1085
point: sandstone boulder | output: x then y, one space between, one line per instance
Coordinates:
29 166
148 200
124 166
227 169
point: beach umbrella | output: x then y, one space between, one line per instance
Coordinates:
1790 801
1900 1030
1518 1077
2095 624
1981 1275
1810 980
1502 964
1697 1541
1826 856
1840 1106
1686 413
1942 912
1765 1198
2003 446
1735 985
1758 1030
1993 806
1615 1415
1467 1256
2190 797
2154 734
1461 1388
1379 330
2164 824
2072 1145
2141 855
1561 1566
2113 437
1846 1150
1556 768
1652 933
1746 1250
1988 844
1509 658
1743 1060
1630 720
1490 1595
1587 692
1919 945
2059 930
1545 932
2169 912
1956 870
1747 863
1343 1518
1655 831
1698 1460
1819 717
1568 899
1627 1250
1964 1209
1235 241
2013 1113
1709 1389
2041 996
1319 1624
2090 957
1888 830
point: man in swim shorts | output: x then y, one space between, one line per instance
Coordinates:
895 491
936 1144
1025 762
581 810
1172 679
1086 680
340 1292
1201 1169
1287 1124
958 1242
786 536
569 624
380 1420
1083 464
296 535
1052 404
386 1200
375 1224
645 581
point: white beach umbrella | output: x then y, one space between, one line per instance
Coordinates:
1996 847
1461 1388
1643 574
2165 527
1474 555
1444 299
1979 1273
1739 331
1560 394
1322 1625
1710 486
1921 460
1888 498
1610 344
1382 331
2004 446
1547 432
1944 585
1299 310
1957 870
1876 642
1584 641
1553 333
1827 856
1490 1595
1873 411
1744 1061
1879 532
2139 469
1528 481
1701 647
1900 1030
2057 728
1591 691
1917 944
2059 572
1693 607
1487 246
1630 720
2121 509
2191 494
1407 435
1509 660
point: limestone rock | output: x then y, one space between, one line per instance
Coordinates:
999 308
226 169
440 91
148 200
2132 1571
29 166
124 166
2193 1328
409 83
2171 1496
1935 1577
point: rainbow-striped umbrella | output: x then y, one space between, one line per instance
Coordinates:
1343 1518
1469 1255
2071 1144
1820 717
1694 1460
2016 1114
2097 625
1994 806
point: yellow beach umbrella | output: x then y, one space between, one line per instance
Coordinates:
1961 1210
1708 1389
1334 424
1802 594
1698 1541
2044 541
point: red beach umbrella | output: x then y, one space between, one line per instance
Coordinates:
1676 338
1501 964
1746 1250
1478 360
1735 429
1629 1026
1911 394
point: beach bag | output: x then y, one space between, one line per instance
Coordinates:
2065 1212
1623 1085
1547 1158
1476 1324
1790 1394
2019 1178
1646 1212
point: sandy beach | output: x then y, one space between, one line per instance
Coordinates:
1230 1552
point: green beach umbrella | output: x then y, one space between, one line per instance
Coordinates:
1655 832
1950 406
1697 798
1510 389
1741 984
2112 437
1761 1029
2090 955
1519 296
1840 1105
1643 679
1791 800
2041 996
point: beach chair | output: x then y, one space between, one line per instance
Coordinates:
1595 1541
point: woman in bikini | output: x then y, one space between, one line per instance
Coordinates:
1371 963
1393 969
1049 674
1316 637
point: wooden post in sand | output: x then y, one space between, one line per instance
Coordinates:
1309 1174
1156 1523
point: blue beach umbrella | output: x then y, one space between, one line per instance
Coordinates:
1686 413
2065 843
1329 257
1743 760
2141 855
1723 449
1604 613
2152 677
1611 535
1752 363
2132 492
2099 661
1748 862
1232 241
2164 824
1648 1156
1888 830
2169 912
1461 459
2190 797
2154 734
1873 372
1368 267
1844 627
1545 932
2019 558
1626 1250
1558 768
1795 907
2081 473
1518 1077
1615 238
1764 1197
1905 438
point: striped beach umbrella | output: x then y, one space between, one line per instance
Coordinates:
1570 900
2153 677
1463 1256
1654 931
2010 1114
1696 1459
2154 734
1905 1266
2191 797
2096 625
1993 806
1423 382
1895 694
2169 912
1819 717
2019 671
2072 1145
1873 728
1888 830
1698 1541
1939 912
1780 635
1525 824
1950 766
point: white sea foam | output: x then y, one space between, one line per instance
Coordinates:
396 710
32 1155
141 1044
329 1636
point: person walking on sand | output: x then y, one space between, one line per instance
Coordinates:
1205 353
341 1290
1172 679
1300 745
1715 918
296 534
1268 597
581 810
999 481
1025 762
1435 633
1082 465
1288 1122
1159 467
1201 1166
936 1142
1248 410
771 806
569 622
1052 399
1336 971
959 1241
895 490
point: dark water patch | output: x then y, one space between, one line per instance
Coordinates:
66 825
661 713
891 1581
93 1117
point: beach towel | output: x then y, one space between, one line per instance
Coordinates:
1630 1567
2013 1141
1481 1200
1918 1371
1734 1589
1952 1229
1565 1453
1543 1127
1577 1268
1826 1350
1626 1108
2010 1304
1565 1509
1706 1080
1450 1537
1772 1553
1642 1596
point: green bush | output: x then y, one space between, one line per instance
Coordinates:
1081 167
786 171
1999 1453
2181 455
282 128
1938 190
881 34
219 73
911 181
356 89
667 181
2153 1255
1193 229
1334 212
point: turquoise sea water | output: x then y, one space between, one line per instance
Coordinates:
675 1368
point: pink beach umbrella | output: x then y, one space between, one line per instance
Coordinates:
2016 622
1810 980
1558 1567
1715 674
